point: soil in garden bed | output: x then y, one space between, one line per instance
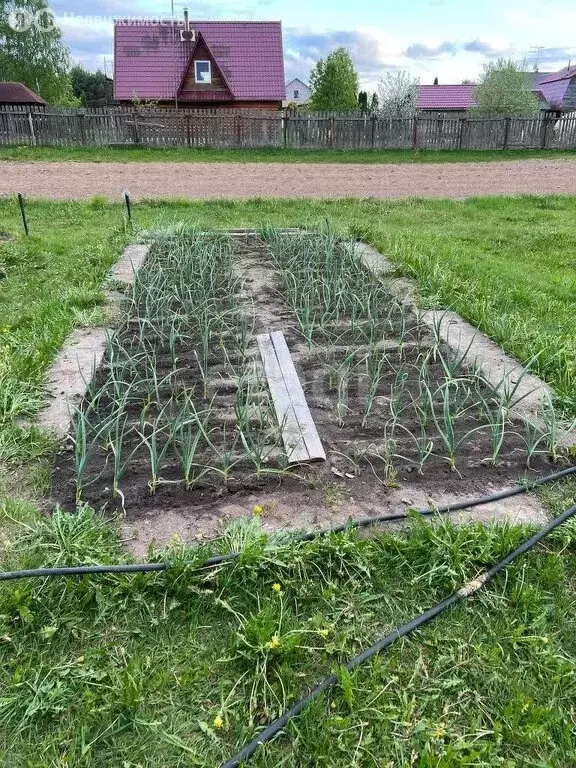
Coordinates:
379 458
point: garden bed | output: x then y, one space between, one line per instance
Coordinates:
178 429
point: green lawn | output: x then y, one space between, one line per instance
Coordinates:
139 671
269 155
49 284
180 669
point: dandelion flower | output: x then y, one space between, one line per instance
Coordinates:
324 632
274 643
218 723
258 510
277 588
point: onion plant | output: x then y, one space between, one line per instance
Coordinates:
156 434
446 423
190 429
116 440
86 438
375 366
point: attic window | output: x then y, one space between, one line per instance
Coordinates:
296 94
202 72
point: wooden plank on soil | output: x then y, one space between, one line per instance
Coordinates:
294 387
294 444
299 432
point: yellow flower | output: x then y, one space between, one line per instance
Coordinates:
274 643
218 723
258 510
324 632
277 588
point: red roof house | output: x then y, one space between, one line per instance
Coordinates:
17 94
200 64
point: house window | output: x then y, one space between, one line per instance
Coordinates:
296 94
202 72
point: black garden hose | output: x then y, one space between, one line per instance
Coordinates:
385 642
218 560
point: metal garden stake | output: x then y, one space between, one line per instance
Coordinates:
128 205
23 212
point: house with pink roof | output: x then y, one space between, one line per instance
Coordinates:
446 98
559 89
200 64
556 92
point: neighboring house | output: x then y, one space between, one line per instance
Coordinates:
297 92
558 89
202 64
18 95
454 99
556 92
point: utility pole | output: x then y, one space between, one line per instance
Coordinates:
537 53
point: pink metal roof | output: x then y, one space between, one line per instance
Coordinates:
554 86
445 97
564 74
150 60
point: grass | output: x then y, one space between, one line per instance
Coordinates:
182 668
268 155
49 284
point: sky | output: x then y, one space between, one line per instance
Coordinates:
448 39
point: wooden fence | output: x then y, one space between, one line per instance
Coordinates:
250 128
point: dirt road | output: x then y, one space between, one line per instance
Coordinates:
245 180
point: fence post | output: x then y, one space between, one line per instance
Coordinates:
332 132
135 134
81 128
238 130
188 131
506 133
32 132
373 131
461 132
286 118
415 134
544 139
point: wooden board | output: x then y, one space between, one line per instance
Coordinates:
299 434
301 409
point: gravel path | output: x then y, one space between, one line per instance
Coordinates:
73 180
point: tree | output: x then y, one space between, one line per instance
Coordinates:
334 83
363 102
398 95
435 81
92 89
374 105
504 89
32 51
